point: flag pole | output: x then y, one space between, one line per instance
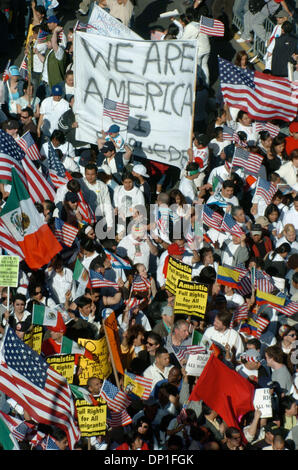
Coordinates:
112 358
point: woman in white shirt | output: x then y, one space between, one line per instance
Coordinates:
59 280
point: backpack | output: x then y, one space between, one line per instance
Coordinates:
255 6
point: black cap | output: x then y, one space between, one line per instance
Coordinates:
71 197
108 147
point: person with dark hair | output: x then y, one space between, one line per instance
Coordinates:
96 194
147 355
275 261
126 197
285 47
59 280
187 185
225 196
233 439
242 60
280 373
19 317
57 141
221 334
161 367
132 343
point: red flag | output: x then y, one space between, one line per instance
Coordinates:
225 391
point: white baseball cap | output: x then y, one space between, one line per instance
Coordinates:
140 170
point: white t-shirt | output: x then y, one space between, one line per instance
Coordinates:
52 111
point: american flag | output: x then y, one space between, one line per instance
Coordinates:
59 176
115 398
241 313
27 143
211 218
133 302
85 210
42 392
249 161
262 325
231 226
97 280
289 308
144 382
229 134
42 37
8 243
24 68
11 156
48 443
115 111
140 284
38 187
262 96
182 352
5 75
267 126
211 27
263 281
20 429
83 26
265 190
65 233
115 420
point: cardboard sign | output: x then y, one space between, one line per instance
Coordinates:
191 299
64 365
101 367
9 271
92 419
262 402
177 271
33 338
196 363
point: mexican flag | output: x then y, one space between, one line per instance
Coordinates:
7 440
81 393
71 347
26 225
44 316
80 273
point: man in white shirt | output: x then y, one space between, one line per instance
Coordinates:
51 109
137 247
161 367
187 185
97 196
289 171
226 196
220 334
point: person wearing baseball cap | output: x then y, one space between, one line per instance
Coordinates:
110 159
112 135
51 109
139 171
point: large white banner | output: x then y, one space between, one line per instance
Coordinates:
106 25
155 79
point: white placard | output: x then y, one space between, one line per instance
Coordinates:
106 25
262 402
154 78
196 363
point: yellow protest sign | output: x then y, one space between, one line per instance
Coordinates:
91 419
101 367
177 271
9 271
64 365
33 338
191 299
131 386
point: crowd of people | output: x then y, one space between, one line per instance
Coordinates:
140 214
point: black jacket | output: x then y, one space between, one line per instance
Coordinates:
285 47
